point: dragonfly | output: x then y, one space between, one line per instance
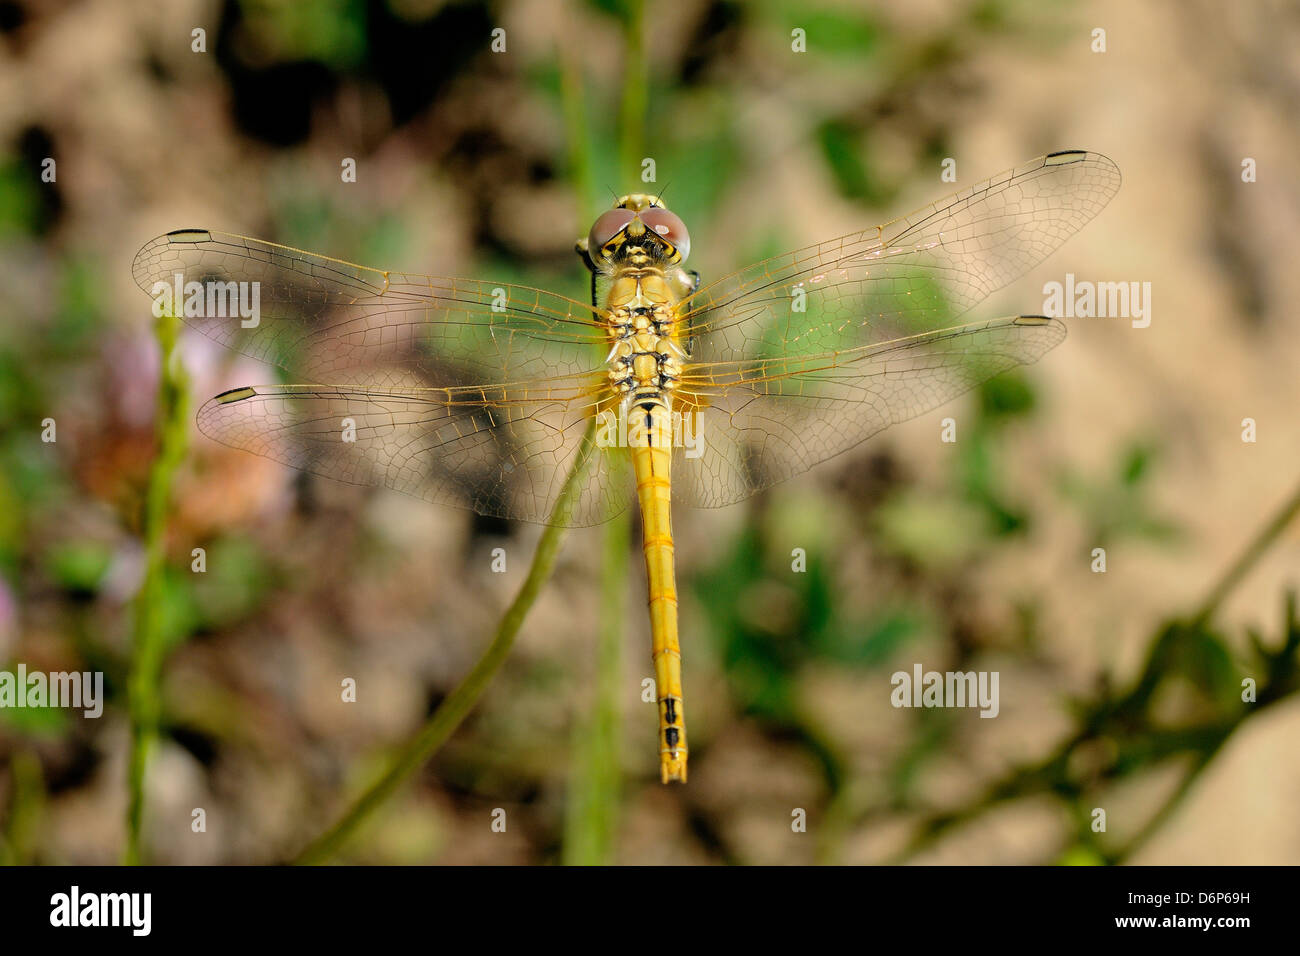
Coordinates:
523 404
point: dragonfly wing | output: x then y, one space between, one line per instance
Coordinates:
761 421
334 320
802 356
915 274
501 450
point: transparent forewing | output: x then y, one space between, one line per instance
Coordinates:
915 274
760 421
503 450
802 356
334 320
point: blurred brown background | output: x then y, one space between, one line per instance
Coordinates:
974 555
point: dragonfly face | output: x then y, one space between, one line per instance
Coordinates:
640 231
486 395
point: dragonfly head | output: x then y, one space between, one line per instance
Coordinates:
639 231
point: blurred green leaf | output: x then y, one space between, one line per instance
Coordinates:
833 32
1135 463
1080 855
11 522
1006 396
235 583
178 611
44 721
1117 507
20 205
620 9
80 314
332 32
875 641
1204 659
978 474
843 146
757 667
934 532
79 566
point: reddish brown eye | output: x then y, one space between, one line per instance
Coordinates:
606 227
668 226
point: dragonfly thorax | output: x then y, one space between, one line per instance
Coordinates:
644 353
642 325
644 359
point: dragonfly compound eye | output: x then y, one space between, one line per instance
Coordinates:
669 227
607 226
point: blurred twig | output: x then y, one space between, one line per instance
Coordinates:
148 647
1261 543
460 701
1130 740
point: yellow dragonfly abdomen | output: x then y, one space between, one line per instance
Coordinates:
645 364
653 487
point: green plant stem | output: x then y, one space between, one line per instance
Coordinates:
438 728
1204 741
591 811
1166 809
591 806
148 649
1252 552
575 124
632 116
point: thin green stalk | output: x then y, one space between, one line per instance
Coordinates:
1205 741
1166 809
591 812
438 728
1252 552
632 116
576 129
148 651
